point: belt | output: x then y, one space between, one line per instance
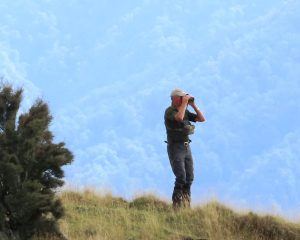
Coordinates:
184 143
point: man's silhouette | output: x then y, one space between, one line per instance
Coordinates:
178 127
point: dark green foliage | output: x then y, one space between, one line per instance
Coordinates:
30 168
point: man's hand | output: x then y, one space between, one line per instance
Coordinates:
185 99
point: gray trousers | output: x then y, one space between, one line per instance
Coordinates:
181 161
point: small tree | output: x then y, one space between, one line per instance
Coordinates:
30 169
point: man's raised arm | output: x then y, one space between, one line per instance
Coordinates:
181 109
200 117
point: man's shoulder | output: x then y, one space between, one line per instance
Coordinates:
170 112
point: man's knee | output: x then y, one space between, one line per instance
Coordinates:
189 179
180 181
189 174
179 172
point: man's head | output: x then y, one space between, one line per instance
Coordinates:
176 97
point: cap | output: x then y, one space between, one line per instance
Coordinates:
178 92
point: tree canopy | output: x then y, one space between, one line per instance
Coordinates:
30 168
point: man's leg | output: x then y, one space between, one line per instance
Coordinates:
176 154
189 169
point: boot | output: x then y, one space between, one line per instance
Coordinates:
177 199
186 200
186 197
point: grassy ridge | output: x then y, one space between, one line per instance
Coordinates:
90 216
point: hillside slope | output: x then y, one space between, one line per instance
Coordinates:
90 216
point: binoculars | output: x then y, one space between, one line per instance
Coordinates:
191 99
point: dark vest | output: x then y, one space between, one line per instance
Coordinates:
175 130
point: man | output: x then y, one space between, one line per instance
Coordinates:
178 127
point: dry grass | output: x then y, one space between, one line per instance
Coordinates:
91 216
